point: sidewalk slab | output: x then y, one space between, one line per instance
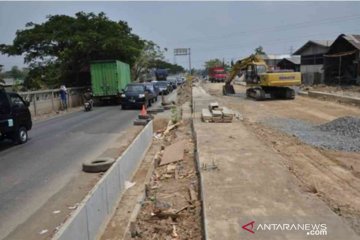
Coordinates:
251 186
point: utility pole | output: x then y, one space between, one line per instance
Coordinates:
189 60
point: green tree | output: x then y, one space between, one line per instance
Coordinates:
61 49
1 74
172 68
150 53
213 63
16 73
259 50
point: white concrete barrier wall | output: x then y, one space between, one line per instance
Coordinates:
94 212
47 101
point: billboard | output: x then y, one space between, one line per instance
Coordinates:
181 51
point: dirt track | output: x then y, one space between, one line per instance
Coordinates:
333 176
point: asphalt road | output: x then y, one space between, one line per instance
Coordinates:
33 172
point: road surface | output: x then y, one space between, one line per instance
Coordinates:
33 172
30 174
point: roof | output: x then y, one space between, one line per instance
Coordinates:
274 56
294 59
11 81
354 39
322 43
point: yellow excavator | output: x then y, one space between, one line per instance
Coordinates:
261 82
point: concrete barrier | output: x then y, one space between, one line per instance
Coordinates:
47 101
335 97
91 217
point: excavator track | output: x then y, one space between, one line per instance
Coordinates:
256 93
262 93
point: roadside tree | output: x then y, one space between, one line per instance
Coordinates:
61 49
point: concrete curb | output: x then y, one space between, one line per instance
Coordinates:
89 220
140 199
198 170
334 97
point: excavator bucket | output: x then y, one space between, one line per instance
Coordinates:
228 89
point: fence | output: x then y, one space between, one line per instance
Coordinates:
47 101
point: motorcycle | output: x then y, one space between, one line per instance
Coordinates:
88 105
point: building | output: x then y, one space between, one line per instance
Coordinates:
290 63
312 59
341 63
272 60
10 83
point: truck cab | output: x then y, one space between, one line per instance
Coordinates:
15 117
217 74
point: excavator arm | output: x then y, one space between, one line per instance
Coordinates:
242 64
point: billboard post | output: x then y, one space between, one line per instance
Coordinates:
183 52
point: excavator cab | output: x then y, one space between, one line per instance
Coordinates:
253 72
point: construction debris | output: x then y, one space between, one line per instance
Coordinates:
171 127
192 194
173 153
217 114
170 209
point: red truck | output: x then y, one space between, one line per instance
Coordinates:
217 74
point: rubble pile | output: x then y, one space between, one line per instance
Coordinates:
341 134
346 126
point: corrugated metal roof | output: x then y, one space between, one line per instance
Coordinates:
294 59
274 56
11 81
354 39
323 43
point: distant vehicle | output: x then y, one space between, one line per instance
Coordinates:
161 74
183 80
173 82
108 78
15 117
217 74
154 91
164 87
135 95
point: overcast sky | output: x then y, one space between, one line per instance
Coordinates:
228 30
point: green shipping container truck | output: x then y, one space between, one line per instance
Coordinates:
108 78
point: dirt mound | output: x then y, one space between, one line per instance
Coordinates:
346 126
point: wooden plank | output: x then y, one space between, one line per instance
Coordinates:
173 153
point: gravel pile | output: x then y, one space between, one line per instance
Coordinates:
341 134
346 126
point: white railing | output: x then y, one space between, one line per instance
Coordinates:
47 101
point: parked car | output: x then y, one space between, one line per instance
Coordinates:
135 95
173 82
179 81
154 91
164 87
15 117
